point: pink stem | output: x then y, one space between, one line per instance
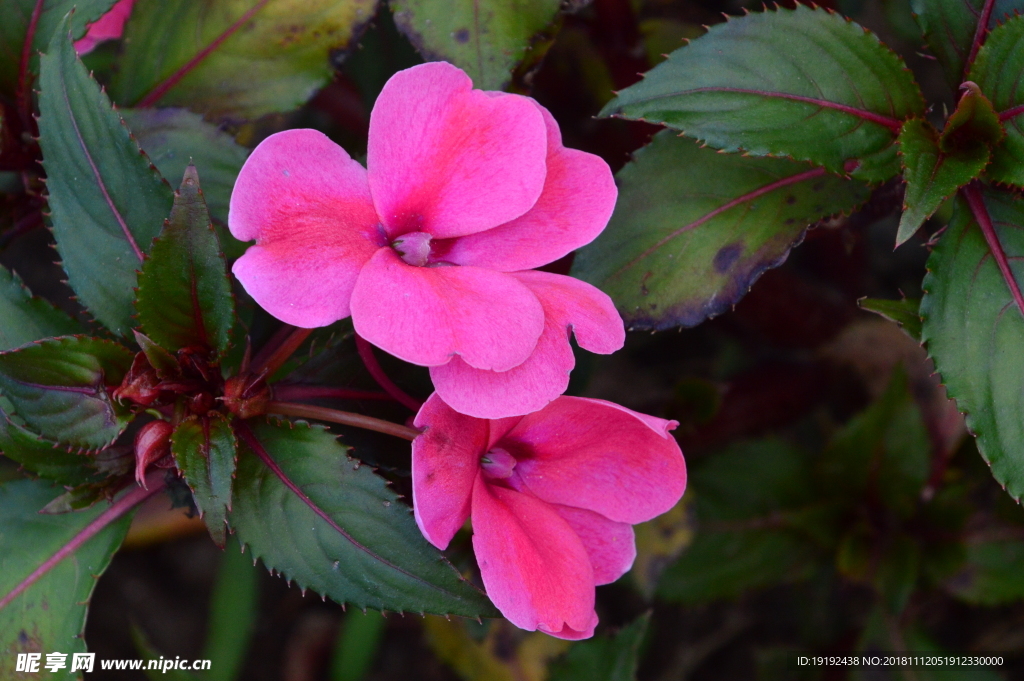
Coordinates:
980 211
979 35
287 393
116 510
345 418
1011 113
370 360
276 352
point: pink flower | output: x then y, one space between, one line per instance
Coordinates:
431 248
110 26
552 496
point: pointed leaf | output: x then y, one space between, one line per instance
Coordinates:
107 201
974 123
17 27
60 388
605 658
234 58
184 292
802 83
485 38
950 27
45 459
931 175
999 72
904 312
204 449
369 553
975 333
164 363
27 319
171 137
693 229
50 615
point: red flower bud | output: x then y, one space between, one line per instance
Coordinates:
140 383
152 443
246 395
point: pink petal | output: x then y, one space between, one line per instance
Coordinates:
610 545
445 462
449 160
110 26
599 456
308 206
589 311
577 201
427 315
533 564
568 303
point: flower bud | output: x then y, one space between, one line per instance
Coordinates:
140 383
152 443
246 395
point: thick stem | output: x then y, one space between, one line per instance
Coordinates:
155 481
346 418
289 392
277 351
979 35
980 211
370 360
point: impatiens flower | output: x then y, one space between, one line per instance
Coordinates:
431 248
110 26
552 496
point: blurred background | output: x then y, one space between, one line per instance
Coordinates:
835 504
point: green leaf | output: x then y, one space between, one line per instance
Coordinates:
48 460
357 646
611 658
234 609
234 58
184 293
205 449
803 83
60 387
485 39
25 318
887 446
973 331
164 363
173 137
998 71
693 229
107 202
14 31
904 312
931 175
751 532
991 574
49 616
949 27
370 554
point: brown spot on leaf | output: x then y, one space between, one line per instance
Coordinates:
727 256
791 199
461 35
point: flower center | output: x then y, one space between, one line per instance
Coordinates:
497 464
414 248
